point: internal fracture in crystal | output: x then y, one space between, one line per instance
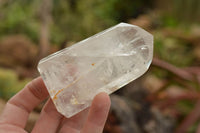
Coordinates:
102 63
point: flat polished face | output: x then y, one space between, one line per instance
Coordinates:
102 63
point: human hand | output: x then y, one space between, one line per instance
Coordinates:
18 108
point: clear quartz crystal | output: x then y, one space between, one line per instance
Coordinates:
101 63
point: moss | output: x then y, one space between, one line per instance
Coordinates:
9 83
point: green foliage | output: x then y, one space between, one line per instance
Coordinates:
194 127
18 17
9 83
173 50
122 10
169 21
177 12
187 10
185 106
76 20
71 19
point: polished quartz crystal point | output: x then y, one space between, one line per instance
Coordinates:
101 63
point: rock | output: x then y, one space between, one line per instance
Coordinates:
124 114
132 113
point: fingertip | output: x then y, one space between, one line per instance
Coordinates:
99 108
103 99
98 113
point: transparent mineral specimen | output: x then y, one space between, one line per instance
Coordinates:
102 63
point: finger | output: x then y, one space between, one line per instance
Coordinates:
49 119
98 114
75 123
17 109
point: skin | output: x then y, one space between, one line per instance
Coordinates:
17 110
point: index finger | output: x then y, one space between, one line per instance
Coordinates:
17 109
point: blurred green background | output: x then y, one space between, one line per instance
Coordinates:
32 29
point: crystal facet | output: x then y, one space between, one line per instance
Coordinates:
102 63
